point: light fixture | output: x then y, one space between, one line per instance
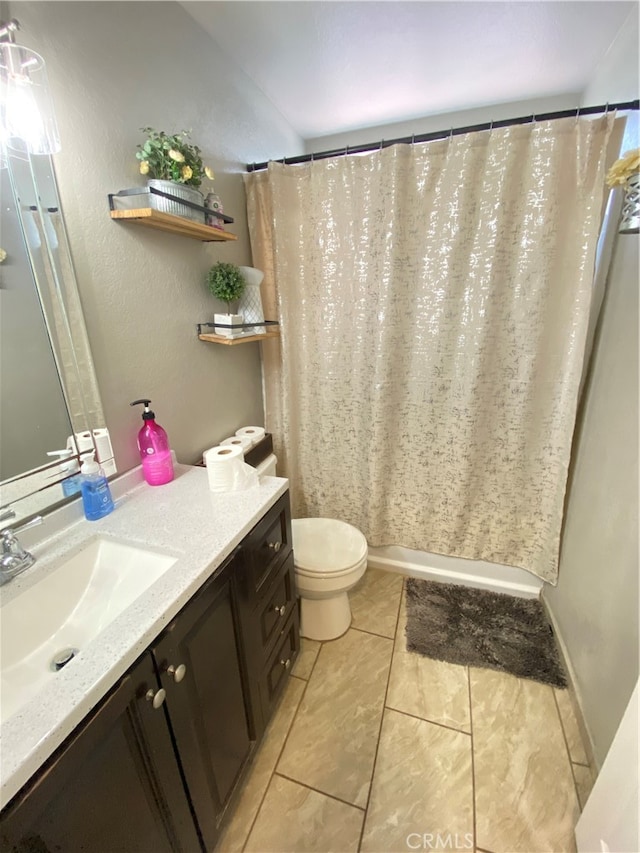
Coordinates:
27 121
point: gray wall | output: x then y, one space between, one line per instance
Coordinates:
114 68
595 604
442 121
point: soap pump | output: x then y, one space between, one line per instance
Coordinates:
96 495
69 471
153 444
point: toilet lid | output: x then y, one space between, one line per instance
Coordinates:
326 545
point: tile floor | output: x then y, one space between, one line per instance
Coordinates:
374 748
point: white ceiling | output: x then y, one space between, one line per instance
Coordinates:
336 66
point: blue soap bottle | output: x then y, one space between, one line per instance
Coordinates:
96 495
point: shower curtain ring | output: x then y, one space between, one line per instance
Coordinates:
413 139
490 126
450 134
312 156
346 151
577 114
381 144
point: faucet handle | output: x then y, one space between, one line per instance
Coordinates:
8 513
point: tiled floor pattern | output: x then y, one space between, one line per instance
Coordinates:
377 749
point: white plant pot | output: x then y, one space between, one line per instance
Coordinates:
250 303
229 320
166 205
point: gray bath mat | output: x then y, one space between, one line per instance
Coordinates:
474 627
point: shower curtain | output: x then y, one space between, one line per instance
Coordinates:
433 302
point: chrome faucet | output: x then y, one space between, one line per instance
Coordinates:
14 558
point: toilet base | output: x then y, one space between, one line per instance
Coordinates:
325 618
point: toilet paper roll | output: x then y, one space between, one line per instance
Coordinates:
243 441
226 469
81 442
255 433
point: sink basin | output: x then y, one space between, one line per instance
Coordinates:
67 609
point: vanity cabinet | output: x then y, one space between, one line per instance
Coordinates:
114 785
198 664
268 611
155 766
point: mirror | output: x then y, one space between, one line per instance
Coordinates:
48 383
33 416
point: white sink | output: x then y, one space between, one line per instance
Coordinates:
67 609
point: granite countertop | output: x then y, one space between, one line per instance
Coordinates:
182 518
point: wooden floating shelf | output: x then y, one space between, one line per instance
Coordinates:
151 218
230 342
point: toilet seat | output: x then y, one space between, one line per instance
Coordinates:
323 573
326 547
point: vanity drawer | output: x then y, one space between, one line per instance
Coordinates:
274 612
274 676
266 548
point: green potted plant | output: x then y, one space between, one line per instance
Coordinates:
172 164
226 282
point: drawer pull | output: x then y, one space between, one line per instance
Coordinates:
178 672
275 546
280 609
286 663
157 697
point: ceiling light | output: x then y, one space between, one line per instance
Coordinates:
27 120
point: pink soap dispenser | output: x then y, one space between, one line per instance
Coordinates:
153 444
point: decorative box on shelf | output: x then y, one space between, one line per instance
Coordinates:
229 325
134 205
271 330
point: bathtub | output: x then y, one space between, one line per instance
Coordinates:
437 567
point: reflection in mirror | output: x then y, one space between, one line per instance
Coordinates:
48 383
33 416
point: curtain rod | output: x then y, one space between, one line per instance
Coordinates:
443 134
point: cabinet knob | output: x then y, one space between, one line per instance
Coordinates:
286 663
157 697
178 672
275 546
280 609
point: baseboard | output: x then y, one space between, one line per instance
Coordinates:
574 692
473 573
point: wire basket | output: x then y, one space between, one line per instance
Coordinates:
630 222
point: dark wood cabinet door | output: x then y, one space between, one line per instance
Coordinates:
265 549
198 664
114 786
274 610
274 675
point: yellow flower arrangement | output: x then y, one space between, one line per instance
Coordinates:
172 158
627 165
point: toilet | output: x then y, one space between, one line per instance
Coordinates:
330 557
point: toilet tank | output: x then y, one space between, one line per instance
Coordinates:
267 466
